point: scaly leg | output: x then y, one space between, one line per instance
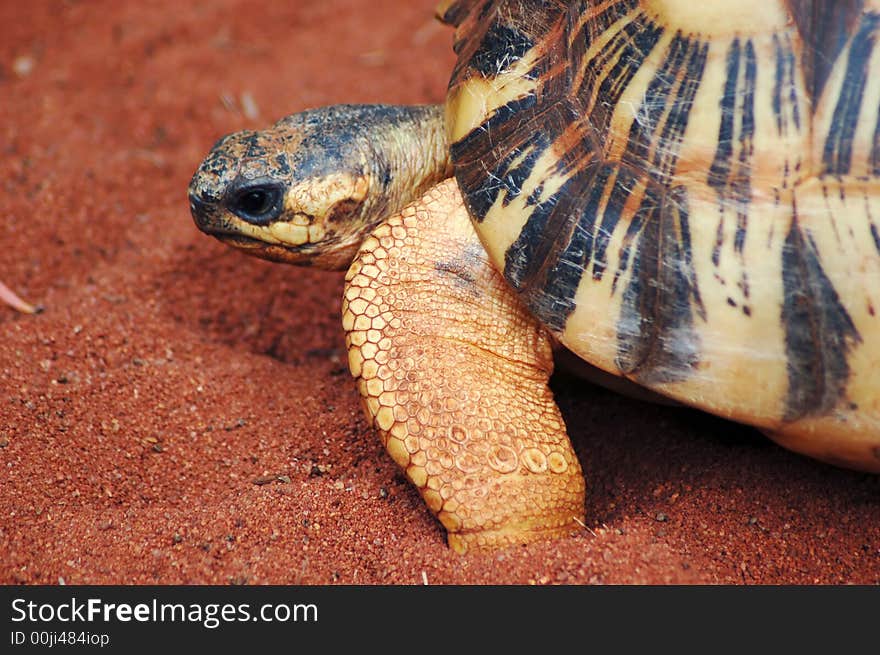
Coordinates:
453 373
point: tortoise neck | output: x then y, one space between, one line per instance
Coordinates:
410 154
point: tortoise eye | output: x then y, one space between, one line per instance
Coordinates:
258 204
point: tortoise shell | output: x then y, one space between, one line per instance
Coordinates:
688 195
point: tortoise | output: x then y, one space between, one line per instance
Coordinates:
686 196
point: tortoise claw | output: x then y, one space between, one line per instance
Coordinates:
8 296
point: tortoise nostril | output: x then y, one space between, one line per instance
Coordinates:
196 204
200 208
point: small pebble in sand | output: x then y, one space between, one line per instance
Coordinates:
23 65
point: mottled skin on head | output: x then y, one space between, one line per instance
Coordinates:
309 189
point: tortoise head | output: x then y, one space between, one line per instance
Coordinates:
311 187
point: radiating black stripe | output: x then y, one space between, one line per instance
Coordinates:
876 236
741 185
643 130
535 196
719 171
481 187
731 178
546 278
778 79
481 184
784 87
719 241
628 50
656 339
648 211
503 122
748 115
875 149
569 257
792 90
818 330
664 158
684 258
824 27
624 185
501 47
599 22
837 155
520 256
516 175
550 293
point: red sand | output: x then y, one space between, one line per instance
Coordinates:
182 414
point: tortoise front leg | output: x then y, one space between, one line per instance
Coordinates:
453 373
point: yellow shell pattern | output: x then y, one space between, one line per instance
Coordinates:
688 195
